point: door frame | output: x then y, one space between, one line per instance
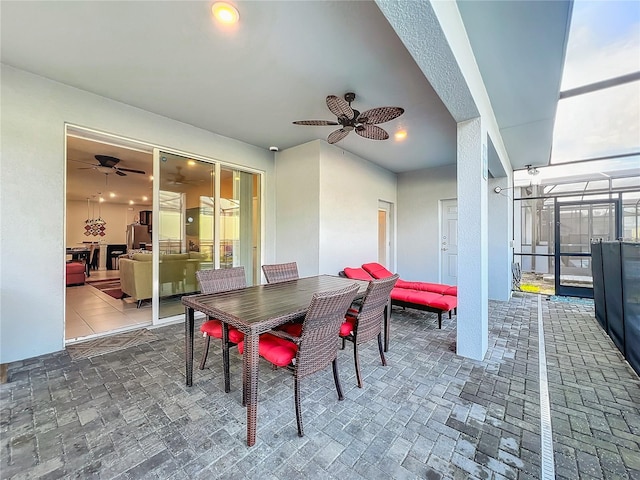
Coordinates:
573 291
387 207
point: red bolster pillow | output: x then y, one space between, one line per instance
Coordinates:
376 270
357 274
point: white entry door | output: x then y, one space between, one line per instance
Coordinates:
449 241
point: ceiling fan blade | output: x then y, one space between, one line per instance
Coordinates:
380 115
122 174
339 107
337 135
315 122
129 170
372 132
107 161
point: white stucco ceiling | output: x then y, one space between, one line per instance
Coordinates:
284 58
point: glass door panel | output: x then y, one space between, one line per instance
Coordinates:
578 223
240 226
185 231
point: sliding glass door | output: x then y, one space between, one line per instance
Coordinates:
208 216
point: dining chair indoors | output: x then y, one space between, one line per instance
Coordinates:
217 281
316 347
280 272
362 325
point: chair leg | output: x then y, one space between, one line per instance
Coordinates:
357 362
336 379
384 360
205 353
296 388
439 319
342 348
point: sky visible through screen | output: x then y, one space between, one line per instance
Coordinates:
604 43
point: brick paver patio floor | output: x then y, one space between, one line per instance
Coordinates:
428 414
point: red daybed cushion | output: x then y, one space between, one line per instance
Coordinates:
357 274
378 271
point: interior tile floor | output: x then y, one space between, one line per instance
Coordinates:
90 312
428 414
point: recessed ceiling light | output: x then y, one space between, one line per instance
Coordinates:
145 198
191 162
400 135
130 202
225 13
112 195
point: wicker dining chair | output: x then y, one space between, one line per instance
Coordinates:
280 272
216 281
316 347
366 324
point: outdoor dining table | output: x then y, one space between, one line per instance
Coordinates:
255 310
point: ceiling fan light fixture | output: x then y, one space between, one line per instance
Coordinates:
225 13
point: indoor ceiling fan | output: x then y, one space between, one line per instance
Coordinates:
364 124
107 165
178 178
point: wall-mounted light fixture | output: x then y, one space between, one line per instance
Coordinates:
532 170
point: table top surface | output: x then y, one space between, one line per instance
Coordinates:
261 307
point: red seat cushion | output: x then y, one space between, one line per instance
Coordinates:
357 274
293 329
347 327
213 328
274 349
376 270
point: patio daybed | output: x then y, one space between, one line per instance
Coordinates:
431 297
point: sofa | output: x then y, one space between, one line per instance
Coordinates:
177 274
431 297
75 273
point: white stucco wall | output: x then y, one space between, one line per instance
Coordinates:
32 206
350 189
327 207
500 208
297 207
419 194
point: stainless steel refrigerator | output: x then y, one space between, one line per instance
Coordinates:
136 235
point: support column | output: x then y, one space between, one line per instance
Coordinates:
472 321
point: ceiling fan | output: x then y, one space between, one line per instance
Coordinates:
178 178
364 124
107 165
